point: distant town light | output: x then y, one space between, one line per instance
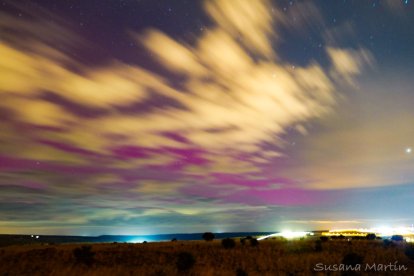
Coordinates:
292 235
407 232
138 240
287 235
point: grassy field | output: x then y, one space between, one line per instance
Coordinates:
270 257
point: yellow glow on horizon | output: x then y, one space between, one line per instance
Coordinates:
379 231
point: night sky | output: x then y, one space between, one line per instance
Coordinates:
145 117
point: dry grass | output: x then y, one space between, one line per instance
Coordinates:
271 257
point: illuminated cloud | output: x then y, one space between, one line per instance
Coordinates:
252 21
348 63
117 84
208 134
365 147
246 101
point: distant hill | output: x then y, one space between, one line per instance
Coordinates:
6 240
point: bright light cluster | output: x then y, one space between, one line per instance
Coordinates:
138 240
288 235
379 231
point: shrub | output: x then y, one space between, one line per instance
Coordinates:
397 238
84 255
208 236
185 261
242 241
370 236
174 239
254 242
324 238
247 238
228 243
409 251
388 243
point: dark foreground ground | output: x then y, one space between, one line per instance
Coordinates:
270 257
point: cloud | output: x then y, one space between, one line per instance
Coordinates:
252 100
364 144
227 99
176 57
303 17
116 84
251 21
348 63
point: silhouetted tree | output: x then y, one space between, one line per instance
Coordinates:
254 242
371 236
247 238
84 255
228 243
397 238
324 238
242 241
185 261
208 236
409 251
174 239
387 243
